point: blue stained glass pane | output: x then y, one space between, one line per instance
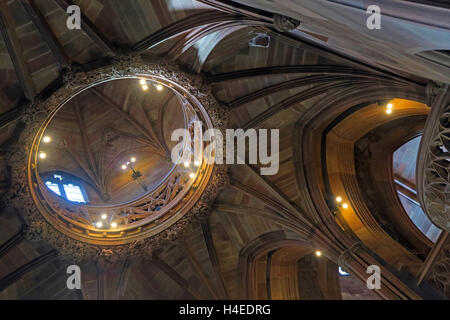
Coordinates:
54 187
74 193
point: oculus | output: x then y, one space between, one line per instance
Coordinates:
110 141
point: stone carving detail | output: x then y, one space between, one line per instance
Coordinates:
440 272
432 90
346 256
436 172
58 227
284 24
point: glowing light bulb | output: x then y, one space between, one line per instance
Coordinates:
133 159
186 164
142 82
99 224
104 216
196 163
114 225
192 175
159 87
42 155
124 167
338 199
318 253
390 106
345 206
47 139
388 111
145 87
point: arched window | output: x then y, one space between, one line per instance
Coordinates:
66 187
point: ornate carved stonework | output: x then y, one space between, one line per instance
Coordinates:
283 23
432 90
346 256
436 172
440 271
164 215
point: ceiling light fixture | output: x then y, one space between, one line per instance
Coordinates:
114 225
145 87
159 87
135 174
192 175
186 164
42 155
388 111
142 82
318 253
99 224
104 216
47 139
338 199
345 206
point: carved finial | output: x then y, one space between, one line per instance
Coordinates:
283 23
431 91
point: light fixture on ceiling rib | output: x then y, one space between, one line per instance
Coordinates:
389 108
135 174
142 82
159 87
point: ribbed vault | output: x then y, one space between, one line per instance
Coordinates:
261 233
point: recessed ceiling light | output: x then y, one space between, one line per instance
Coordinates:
142 82
47 139
42 155
186 164
133 159
196 163
104 216
192 175
145 87
390 106
345 206
124 167
388 111
99 224
338 199
159 87
318 253
114 225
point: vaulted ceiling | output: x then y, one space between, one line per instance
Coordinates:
262 231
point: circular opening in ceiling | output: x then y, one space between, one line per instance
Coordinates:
110 144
